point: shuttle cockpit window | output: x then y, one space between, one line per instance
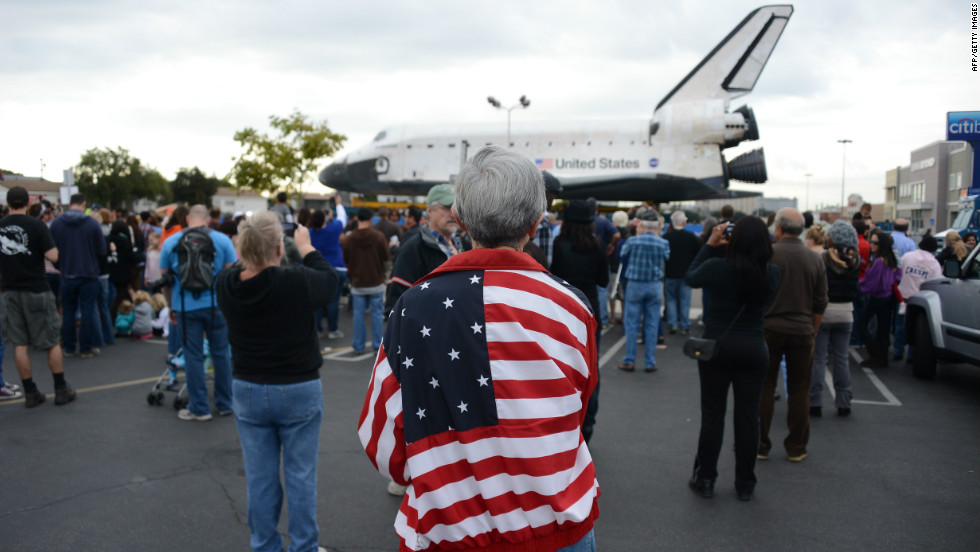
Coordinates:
381 136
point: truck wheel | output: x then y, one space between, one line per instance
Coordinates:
924 355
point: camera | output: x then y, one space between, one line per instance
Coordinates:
166 281
728 231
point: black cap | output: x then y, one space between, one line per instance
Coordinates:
578 211
648 215
17 197
551 184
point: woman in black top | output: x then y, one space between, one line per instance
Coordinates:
277 396
122 258
578 258
740 283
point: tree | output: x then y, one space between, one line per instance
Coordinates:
271 163
116 179
192 187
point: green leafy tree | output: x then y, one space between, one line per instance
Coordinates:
285 160
193 187
116 179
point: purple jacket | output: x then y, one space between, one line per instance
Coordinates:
878 279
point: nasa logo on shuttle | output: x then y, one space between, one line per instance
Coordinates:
963 125
654 162
381 165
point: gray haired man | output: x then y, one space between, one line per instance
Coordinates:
791 324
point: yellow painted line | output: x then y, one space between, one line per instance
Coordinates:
96 388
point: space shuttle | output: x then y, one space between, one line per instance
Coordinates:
676 155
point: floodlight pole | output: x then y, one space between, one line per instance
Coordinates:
843 206
808 175
523 103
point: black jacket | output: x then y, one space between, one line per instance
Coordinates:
684 246
416 257
583 270
842 281
270 320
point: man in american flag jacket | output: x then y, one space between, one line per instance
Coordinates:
480 388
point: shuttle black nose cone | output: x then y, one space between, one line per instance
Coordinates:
335 176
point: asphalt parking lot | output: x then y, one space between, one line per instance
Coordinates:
110 472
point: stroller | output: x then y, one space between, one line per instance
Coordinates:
174 380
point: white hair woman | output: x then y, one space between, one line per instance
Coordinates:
278 399
487 326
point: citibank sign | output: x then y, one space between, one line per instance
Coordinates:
963 125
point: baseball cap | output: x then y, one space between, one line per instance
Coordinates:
442 194
17 197
551 184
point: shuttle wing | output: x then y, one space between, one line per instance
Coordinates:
733 67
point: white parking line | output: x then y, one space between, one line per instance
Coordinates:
885 392
610 352
343 354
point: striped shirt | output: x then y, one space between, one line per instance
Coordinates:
476 403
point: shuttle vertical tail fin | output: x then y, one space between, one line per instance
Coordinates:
733 67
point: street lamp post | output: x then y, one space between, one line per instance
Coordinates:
843 206
808 175
523 103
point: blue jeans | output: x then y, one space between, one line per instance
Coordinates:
105 321
79 293
276 420
197 323
642 299
333 309
585 544
603 304
678 298
898 345
174 339
361 304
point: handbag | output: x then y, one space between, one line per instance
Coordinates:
139 256
700 348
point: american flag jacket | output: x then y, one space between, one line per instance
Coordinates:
476 403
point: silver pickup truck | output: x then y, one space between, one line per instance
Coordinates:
942 320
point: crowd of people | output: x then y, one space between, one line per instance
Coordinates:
454 297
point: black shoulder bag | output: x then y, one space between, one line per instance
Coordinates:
700 348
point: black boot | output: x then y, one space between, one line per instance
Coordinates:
875 351
703 487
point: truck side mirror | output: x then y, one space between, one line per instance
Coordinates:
951 268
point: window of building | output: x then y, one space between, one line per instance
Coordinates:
955 181
918 192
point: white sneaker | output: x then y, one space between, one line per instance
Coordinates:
335 334
185 414
395 489
12 386
8 394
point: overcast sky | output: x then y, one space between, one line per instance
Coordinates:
172 81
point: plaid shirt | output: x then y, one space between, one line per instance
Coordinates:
647 254
545 238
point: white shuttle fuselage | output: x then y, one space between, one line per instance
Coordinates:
676 155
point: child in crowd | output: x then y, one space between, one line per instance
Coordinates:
152 273
142 315
161 315
124 318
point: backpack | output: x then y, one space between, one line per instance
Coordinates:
195 260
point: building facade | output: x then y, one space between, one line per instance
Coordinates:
928 190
